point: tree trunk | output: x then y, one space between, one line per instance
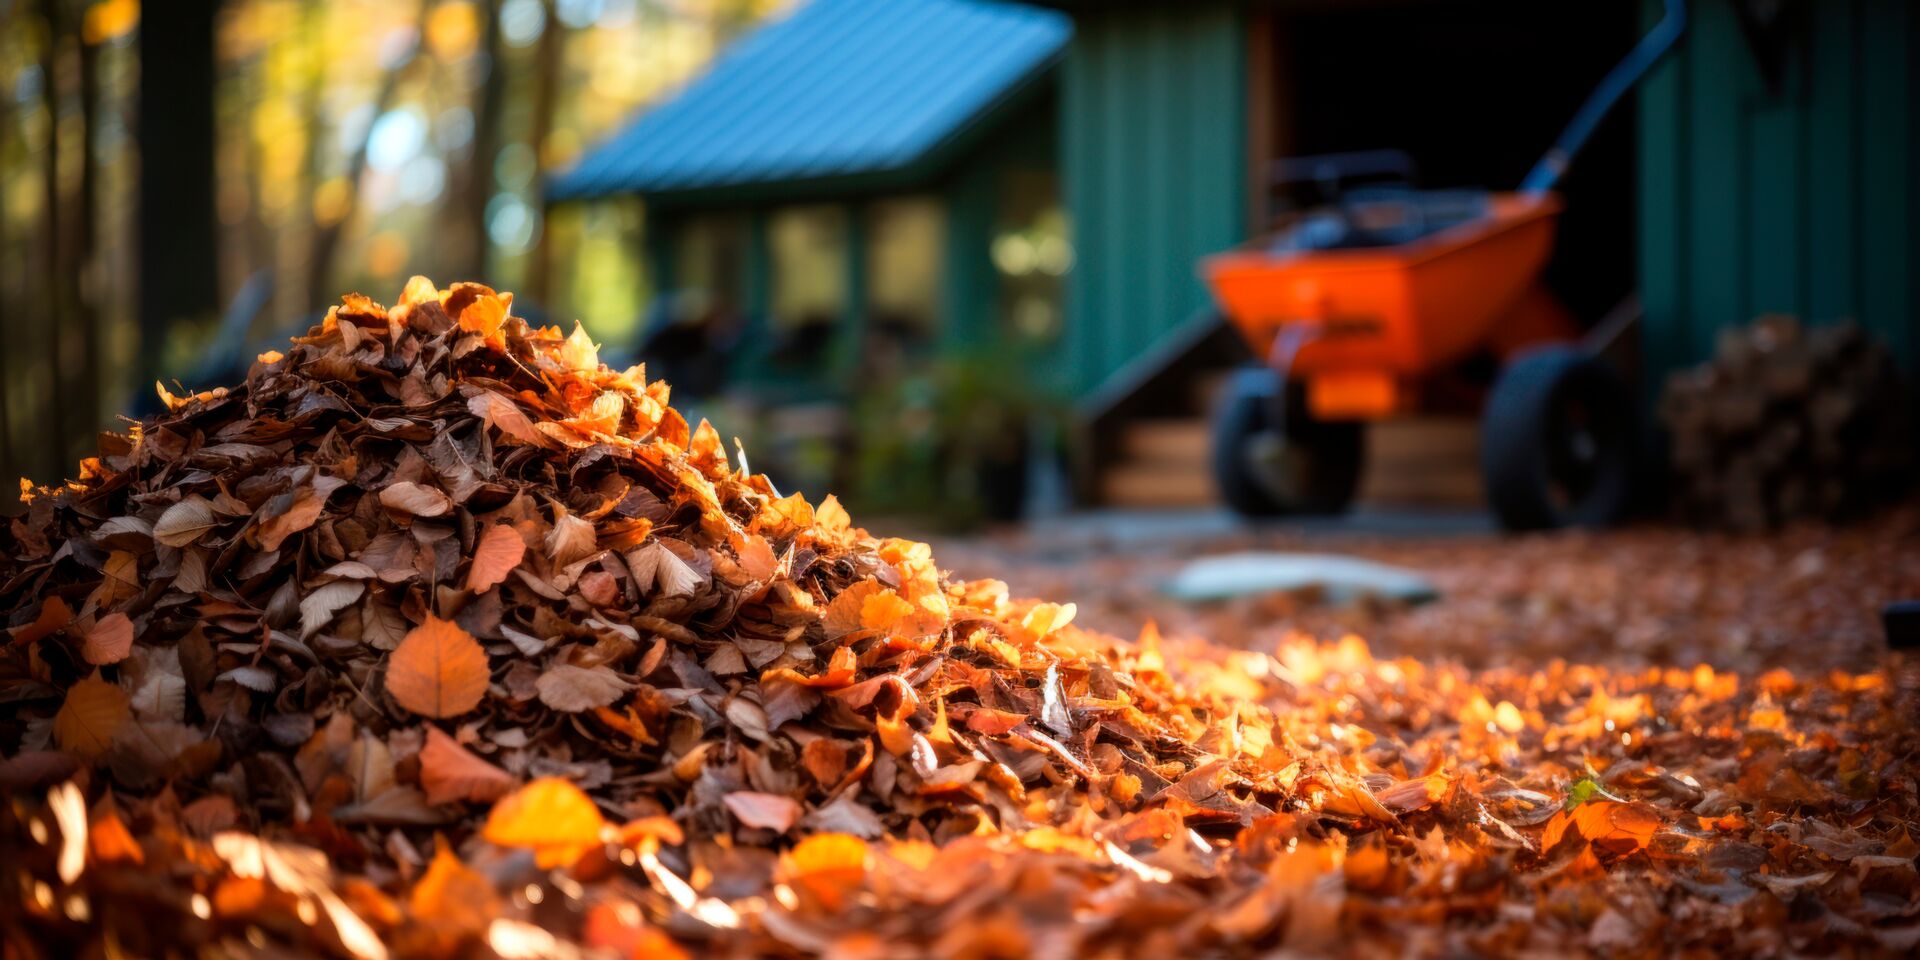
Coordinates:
52 447
293 294
83 273
179 271
545 93
466 212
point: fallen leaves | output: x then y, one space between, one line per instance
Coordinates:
549 816
109 641
1616 828
813 740
438 670
92 715
571 689
499 551
413 499
185 522
450 772
765 811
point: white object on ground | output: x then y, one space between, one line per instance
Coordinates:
1341 578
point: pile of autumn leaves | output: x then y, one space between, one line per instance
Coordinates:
231 626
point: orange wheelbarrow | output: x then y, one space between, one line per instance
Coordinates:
1361 304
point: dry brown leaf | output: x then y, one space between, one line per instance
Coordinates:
92 715
766 811
572 689
570 539
415 500
301 512
438 670
499 551
450 772
110 640
325 602
53 617
185 522
658 570
503 414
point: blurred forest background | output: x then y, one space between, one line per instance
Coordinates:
186 174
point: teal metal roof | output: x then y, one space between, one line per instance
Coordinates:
839 88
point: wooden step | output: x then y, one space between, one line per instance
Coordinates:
1159 484
1185 440
1423 461
1419 461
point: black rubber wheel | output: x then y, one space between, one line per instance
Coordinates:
1557 441
1309 467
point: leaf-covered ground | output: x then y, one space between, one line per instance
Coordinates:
437 638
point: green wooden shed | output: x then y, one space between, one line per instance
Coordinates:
1057 170
858 183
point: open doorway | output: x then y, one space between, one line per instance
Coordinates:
1474 90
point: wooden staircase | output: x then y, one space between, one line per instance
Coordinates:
1164 462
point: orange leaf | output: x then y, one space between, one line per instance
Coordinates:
452 896
484 316
110 640
884 609
438 670
551 816
449 772
785 516
91 717
843 615
303 509
1615 828
827 866
112 842
499 551
54 616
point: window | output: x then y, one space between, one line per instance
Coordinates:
709 268
1032 251
906 242
808 247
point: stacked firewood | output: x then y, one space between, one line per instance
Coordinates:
1787 423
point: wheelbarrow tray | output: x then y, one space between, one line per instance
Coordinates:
1402 310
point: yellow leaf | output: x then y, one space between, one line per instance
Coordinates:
550 816
579 353
826 866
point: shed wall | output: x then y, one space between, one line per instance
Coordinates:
1802 199
1153 153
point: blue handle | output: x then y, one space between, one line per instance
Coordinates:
1615 85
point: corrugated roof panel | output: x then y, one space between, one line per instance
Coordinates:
838 88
